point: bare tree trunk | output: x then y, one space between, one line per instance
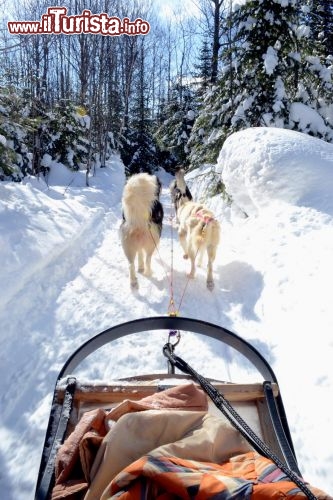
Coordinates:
216 39
44 89
131 54
84 66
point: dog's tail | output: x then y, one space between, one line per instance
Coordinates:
208 232
138 198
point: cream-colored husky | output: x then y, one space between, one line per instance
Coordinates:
141 228
198 231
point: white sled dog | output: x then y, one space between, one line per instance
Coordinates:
198 230
141 227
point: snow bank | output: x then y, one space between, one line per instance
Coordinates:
31 237
260 166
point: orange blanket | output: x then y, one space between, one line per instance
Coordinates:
248 477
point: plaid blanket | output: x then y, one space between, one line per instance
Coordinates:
244 477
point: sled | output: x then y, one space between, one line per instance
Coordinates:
257 406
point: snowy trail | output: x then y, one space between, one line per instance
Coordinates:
108 267
76 293
79 286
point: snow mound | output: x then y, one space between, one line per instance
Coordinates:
261 166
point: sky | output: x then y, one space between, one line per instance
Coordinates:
64 279
169 9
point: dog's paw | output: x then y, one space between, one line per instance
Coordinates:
190 275
134 284
210 285
185 256
141 270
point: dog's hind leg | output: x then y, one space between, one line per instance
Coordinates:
149 250
130 255
211 253
148 271
192 256
182 233
133 278
141 265
201 252
192 249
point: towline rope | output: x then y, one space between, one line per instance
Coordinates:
172 309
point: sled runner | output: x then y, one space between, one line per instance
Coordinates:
183 417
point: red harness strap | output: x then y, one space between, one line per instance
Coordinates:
205 218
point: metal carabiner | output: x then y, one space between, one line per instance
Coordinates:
171 347
174 334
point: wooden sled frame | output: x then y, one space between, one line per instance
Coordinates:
71 399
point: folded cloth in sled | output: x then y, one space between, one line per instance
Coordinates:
248 477
165 453
73 467
195 435
203 456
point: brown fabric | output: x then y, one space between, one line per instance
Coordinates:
68 453
88 449
182 397
73 489
75 457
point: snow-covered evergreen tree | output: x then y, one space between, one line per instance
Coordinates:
15 126
271 76
204 67
139 152
28 134
116 108
174 132
65 135
138 147
321 22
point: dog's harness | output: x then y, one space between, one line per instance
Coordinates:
205 218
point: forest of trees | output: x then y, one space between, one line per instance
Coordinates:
166 98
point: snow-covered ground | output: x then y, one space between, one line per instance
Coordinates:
64 279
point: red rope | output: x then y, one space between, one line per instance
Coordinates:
187 283
172 309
